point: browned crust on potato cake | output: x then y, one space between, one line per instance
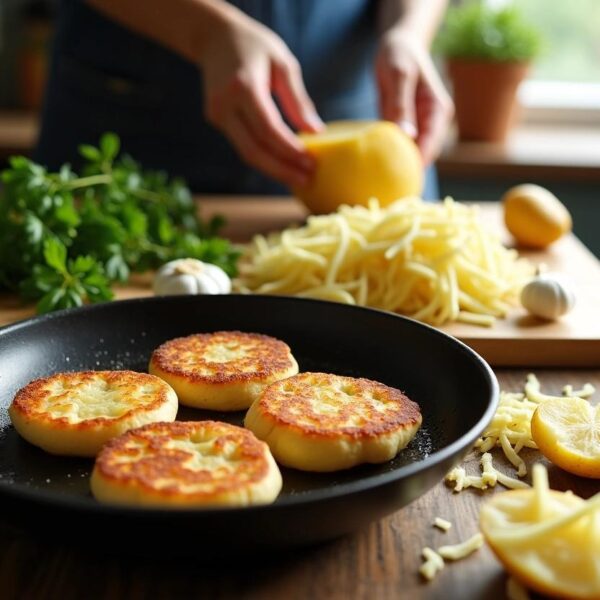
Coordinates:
29 401
265 356
158 462
281 401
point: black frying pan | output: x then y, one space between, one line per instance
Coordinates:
455 388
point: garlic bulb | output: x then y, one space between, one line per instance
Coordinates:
548 296
190 276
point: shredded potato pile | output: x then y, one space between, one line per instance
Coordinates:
510 429
511 426
434 262
529 554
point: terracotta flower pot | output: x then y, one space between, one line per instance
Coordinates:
485 97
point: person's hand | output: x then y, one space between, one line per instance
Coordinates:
242 65
411 92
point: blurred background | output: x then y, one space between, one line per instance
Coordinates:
553 140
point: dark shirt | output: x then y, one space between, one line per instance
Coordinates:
104 77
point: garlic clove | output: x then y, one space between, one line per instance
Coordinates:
220 277
172 286
190 276
549 296
204 285
188 266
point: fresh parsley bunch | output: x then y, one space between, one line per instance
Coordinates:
65 238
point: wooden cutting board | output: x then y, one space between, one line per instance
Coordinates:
519 340
524 340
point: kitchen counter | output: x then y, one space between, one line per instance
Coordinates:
514 341
378 562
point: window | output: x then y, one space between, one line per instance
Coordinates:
564 84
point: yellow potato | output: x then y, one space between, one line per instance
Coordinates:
535 216
358 160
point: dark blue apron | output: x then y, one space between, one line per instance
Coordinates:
106 78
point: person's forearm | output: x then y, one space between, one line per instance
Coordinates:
184 26
420 18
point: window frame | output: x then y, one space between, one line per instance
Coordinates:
560 102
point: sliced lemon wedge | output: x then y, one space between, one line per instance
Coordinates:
547 540
567 432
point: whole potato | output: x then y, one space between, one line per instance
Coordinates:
535 216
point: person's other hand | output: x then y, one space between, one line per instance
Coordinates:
411 92
243 64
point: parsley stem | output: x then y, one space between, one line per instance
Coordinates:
87 181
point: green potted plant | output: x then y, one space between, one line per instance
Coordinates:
488 53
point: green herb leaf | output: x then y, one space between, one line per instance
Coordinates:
473 30
55 254
116 267
33 228
90 152
109 145
51 300
64 237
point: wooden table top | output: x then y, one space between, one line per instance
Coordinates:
380 561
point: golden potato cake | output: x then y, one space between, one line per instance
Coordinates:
186 465
76 413
324 422
226 370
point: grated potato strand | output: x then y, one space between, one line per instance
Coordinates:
434 262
